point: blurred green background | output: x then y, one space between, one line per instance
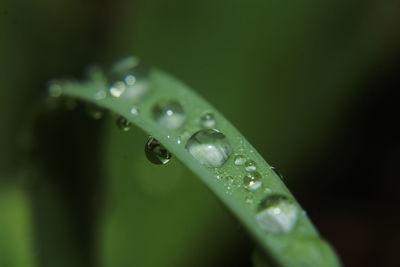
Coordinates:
312 84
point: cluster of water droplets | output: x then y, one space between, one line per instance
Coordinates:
275 213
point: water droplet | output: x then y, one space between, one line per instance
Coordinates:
155 152
123 124
207 120
252 181
239 160
277 214
169 114
267 190
249 199
179 141
117 89
210 147
277 172
130 78
250 166
100 94
134 111
55 90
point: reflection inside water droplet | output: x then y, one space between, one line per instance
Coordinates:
277 214
155 152
210 147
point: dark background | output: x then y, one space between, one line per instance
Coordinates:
312 84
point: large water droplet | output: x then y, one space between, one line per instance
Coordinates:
252 181
207 120
250 166
210 147
129 77
277 214
169 114
155 152
123 124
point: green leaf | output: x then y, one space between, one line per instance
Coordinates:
281 241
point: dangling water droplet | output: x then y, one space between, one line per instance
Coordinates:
134 111
155 152
239 160
129 77
55 90
277 172
210 147
169 114
252 181
277 214
250 166
207 120
123 124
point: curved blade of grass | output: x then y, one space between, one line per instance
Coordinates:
302 246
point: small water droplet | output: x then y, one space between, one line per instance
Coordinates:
229 179
249 199
277 172
252 181
134 111
55 90
239 160
207 120
169 114
155 152
277 214
267 190
117 89
210 147
100 94
123 124
130 79
179 141
250 166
